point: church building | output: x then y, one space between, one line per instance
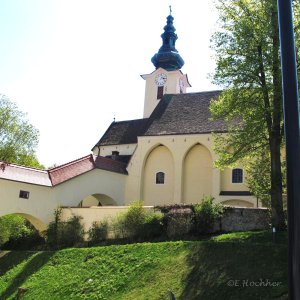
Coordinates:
166 157
169 153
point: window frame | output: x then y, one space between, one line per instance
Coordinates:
24 194
160 180
237 176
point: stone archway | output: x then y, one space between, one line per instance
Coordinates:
197 174
97 200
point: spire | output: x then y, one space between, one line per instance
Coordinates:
167 56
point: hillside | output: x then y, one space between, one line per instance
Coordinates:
190 269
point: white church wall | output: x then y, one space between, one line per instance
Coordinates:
226 181
72 192
43 200
197 174
179 146
125 149
159 160
38 207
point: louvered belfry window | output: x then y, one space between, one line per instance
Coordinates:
160 92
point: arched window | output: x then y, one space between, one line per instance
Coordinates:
160 178
237 176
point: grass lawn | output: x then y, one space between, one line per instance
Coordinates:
245 265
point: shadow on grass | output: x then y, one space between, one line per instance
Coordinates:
9 259
35 260
232 270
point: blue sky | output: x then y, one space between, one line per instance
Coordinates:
73 65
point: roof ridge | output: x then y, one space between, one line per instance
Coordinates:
70 163
123 121
202 92
22 167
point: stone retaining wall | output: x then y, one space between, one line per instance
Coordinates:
243 219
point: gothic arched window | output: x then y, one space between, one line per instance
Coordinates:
237 175
160 178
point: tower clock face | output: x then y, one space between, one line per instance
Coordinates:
160 79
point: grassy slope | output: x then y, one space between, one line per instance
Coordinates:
192 270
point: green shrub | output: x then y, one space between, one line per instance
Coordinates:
98 232
73 232
137 224
130 224
205 215
17 233
118 227
135 219
29 240
179 223
53 232
153 226
61 234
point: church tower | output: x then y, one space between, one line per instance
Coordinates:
167 77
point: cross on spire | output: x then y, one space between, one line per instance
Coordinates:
170 7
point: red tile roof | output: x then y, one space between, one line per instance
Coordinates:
109 164
24 174
61 173
72 169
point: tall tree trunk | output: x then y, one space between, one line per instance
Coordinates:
276 184
275 140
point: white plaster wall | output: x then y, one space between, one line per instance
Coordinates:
44 200
197 176
71 192
171 87
226 181
179 146
40 205
159 160
126 149
96 214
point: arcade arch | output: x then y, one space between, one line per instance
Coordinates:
97 200
197 174
36 223
160 160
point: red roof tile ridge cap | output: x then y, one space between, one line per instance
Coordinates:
22 167
71 163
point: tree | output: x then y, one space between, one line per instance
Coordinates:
18 138
248 66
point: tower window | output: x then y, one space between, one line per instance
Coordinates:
160 178
160 92
237 176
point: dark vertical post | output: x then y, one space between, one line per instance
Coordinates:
292 136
